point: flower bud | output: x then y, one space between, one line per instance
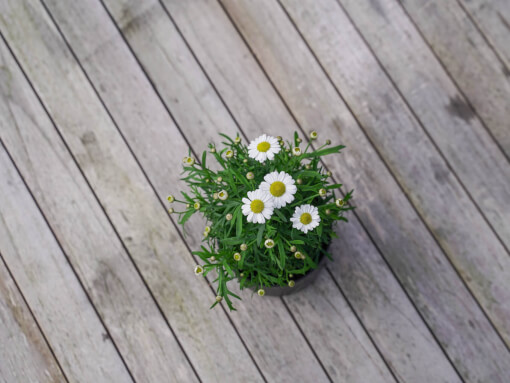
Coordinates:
313 135
244 246
269 243
229 217
261 292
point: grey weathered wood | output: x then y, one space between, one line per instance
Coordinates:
464 142
394 225
149 129
493 19
469 60
271 351
119 294
424 352
424 175
55 296
25 354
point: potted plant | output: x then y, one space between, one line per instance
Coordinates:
270 210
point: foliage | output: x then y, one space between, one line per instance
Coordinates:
234 247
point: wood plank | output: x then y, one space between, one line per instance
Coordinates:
50 287
468 58
425 177
417 350
466 145
410 248
150 130
492 17
119 294
25 354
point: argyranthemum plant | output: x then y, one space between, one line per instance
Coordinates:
270 211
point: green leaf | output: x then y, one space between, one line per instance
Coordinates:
281 249
324 152
280 214
239 221
260 233
204 156
186 216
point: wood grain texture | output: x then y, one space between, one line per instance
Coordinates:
51 289
392 222
150 132
228 51
425 177
25 355
465 143
279 349
468 58
120 296
493 18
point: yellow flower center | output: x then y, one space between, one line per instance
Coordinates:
263 146
277 189
257 206
305 218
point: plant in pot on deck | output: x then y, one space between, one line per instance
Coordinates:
270 211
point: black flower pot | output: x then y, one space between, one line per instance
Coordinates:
300 282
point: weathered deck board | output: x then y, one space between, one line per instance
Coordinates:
425 177
130 85
468 58
127 197
416 259
493 18
25 354
437 104
148 128
211 56
50 287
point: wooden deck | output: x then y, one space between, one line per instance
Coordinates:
100 99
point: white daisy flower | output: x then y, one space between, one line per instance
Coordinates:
281 186
305 218
263 147
258 206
